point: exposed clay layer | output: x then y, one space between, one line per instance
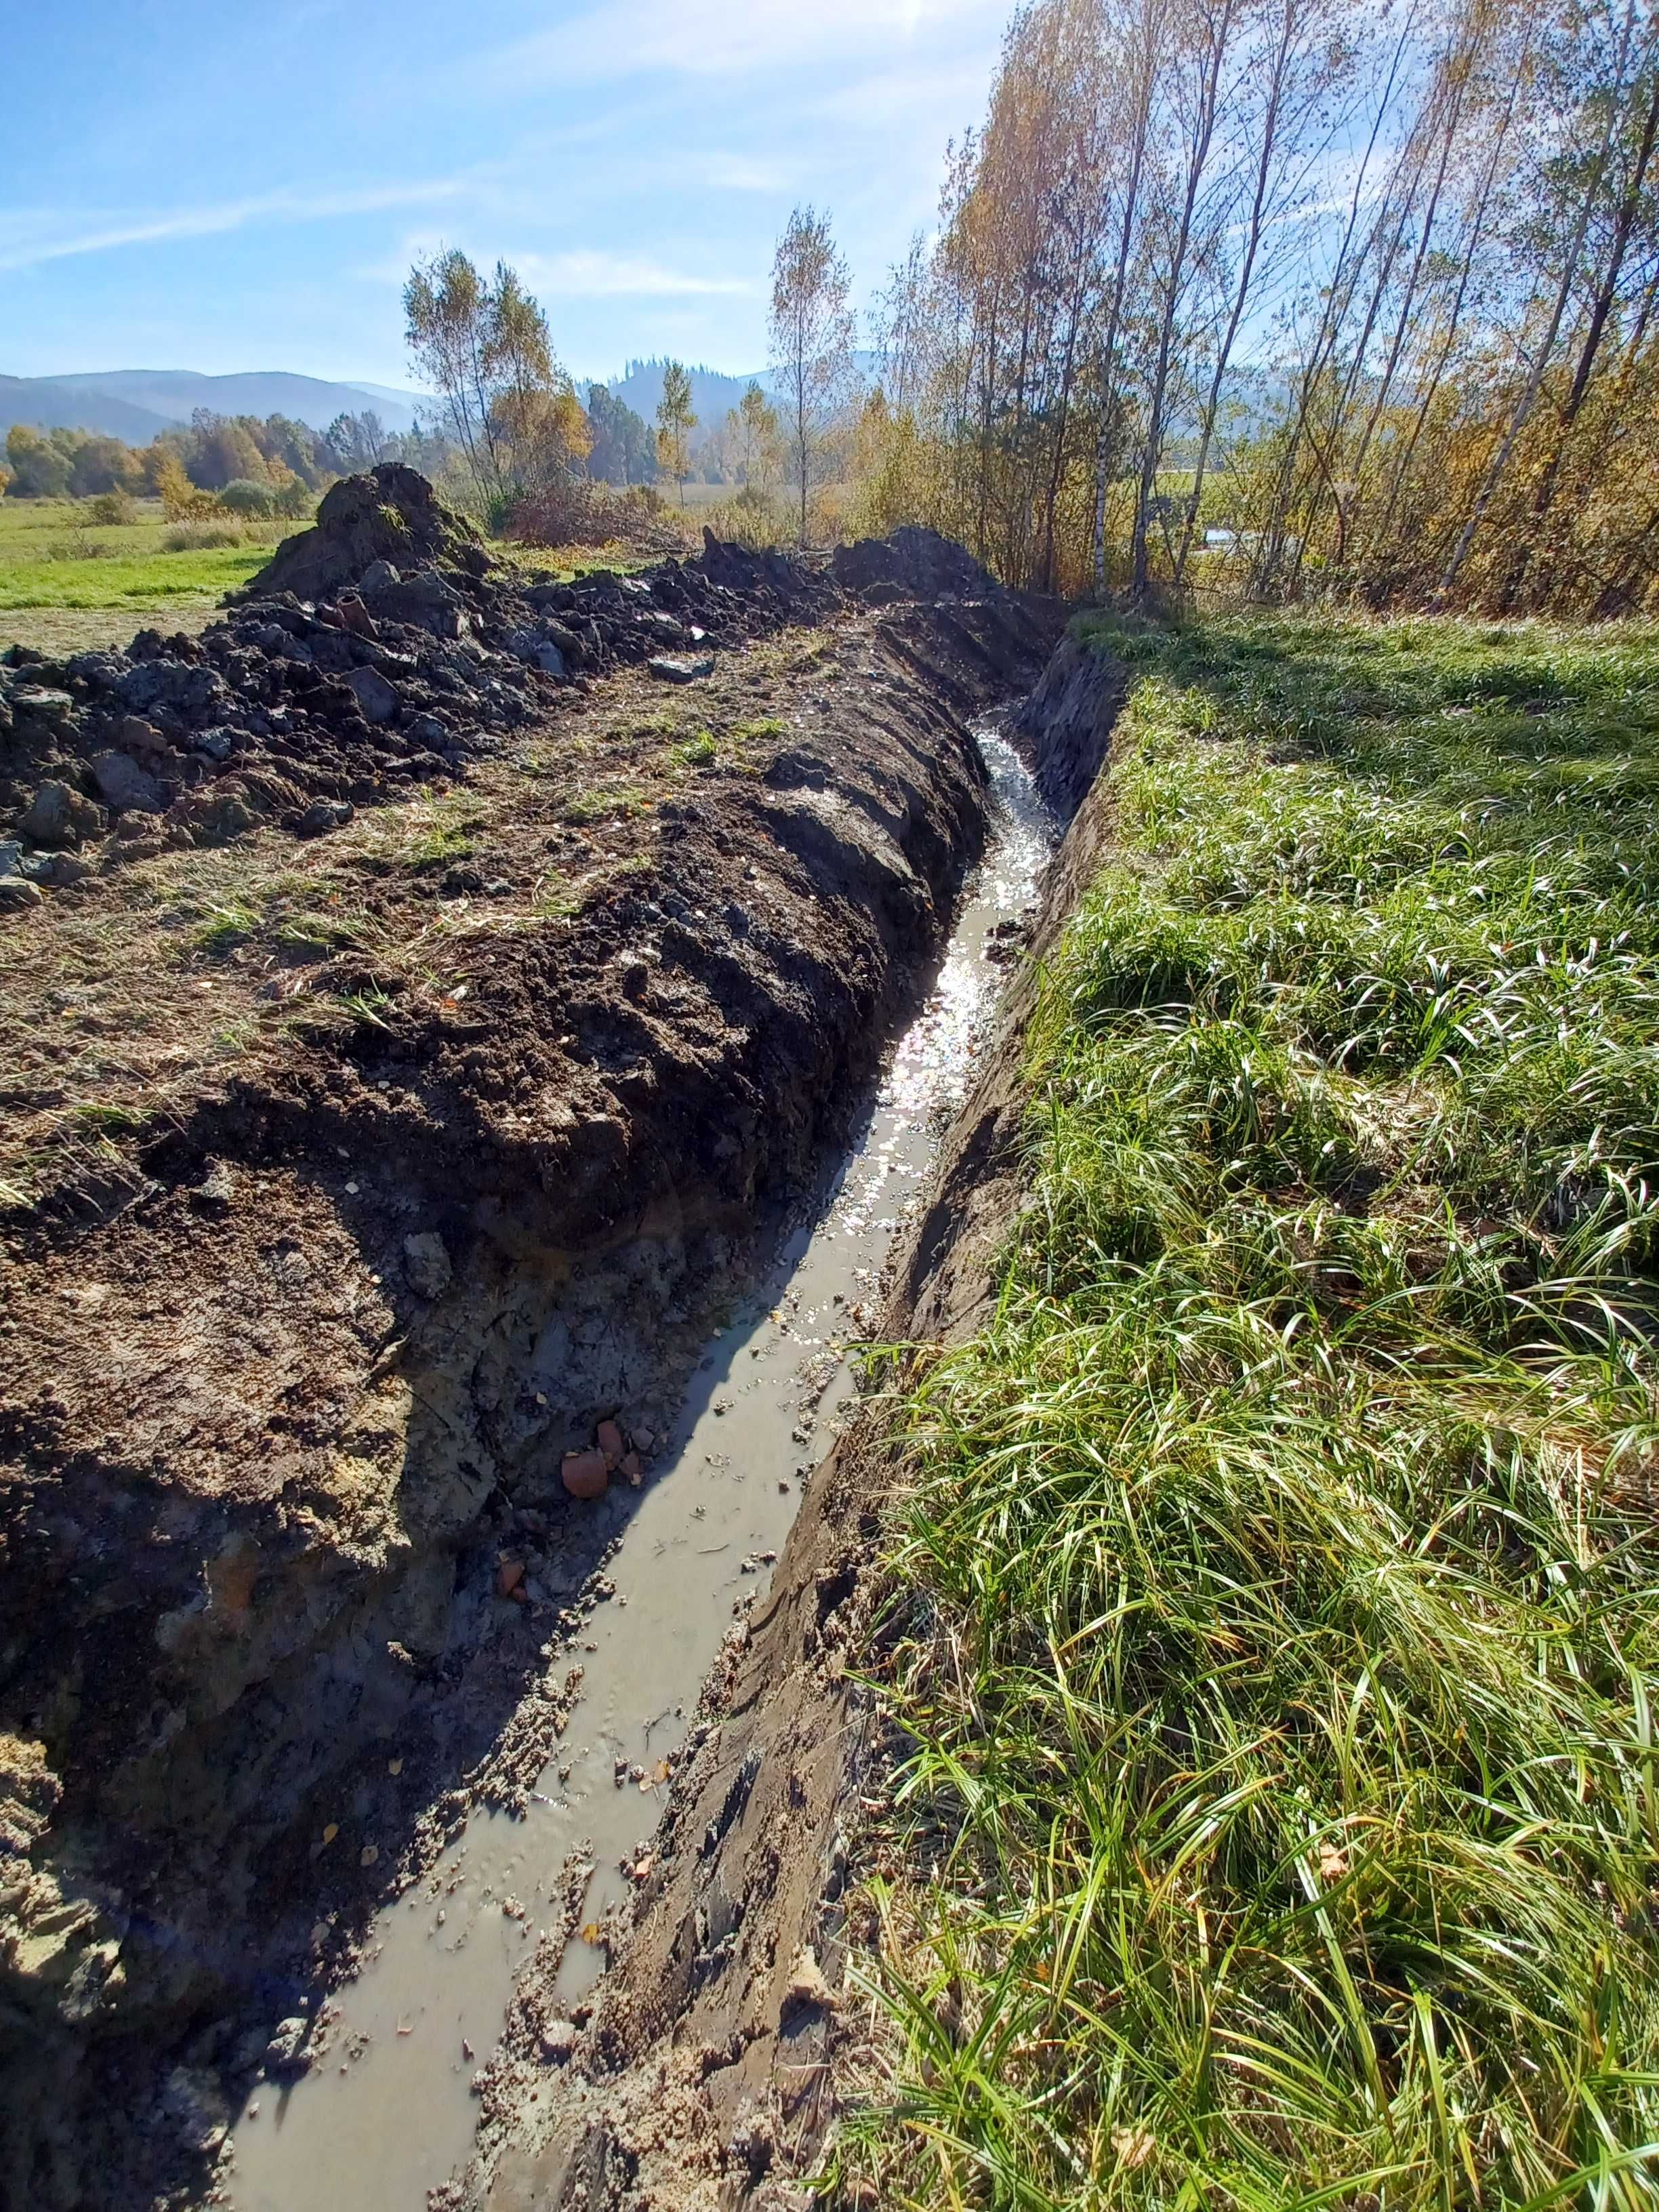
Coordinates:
708 2074
260 1455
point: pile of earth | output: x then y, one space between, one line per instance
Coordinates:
912 563
384 645
291 1371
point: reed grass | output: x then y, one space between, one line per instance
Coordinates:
1278 1640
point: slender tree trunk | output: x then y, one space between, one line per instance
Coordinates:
1219 29
1151 23
1606 293
1500 461
1265 565
1477 227
1247 267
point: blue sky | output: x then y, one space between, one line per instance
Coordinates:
189 185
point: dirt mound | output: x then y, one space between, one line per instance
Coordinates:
914 564
390 514
381 649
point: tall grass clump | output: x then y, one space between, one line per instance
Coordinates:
1278 1595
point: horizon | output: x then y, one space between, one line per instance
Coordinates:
634 161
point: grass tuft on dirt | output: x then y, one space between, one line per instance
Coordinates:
1280 1593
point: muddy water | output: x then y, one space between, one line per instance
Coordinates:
390 2114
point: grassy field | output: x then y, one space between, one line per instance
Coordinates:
67 583
1278 1580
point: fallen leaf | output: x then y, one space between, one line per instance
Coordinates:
331 1831
394 1766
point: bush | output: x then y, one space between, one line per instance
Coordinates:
113 506
575 511
752 519
243 496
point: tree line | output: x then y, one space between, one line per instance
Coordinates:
278 463
1295 296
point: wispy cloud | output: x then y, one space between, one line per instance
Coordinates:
583 275
30 236
943 93
726 38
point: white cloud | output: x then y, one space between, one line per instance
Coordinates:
31 236
725 38
586 275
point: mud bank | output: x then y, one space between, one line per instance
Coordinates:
708 2072
291 1580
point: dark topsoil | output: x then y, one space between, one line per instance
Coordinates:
725 2043
285 1358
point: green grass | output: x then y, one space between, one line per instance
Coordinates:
64 582
1278 1629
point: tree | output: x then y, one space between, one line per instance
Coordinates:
1439 380
450 332
505 399
623 450
756 437
356 442
675 424
39 470
811 342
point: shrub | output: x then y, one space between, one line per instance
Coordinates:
113 506
575 511
181 500
243 496
751 518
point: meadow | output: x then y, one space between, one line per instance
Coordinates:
1277 1607
67 583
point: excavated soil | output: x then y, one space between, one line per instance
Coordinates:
348 1184
710 2070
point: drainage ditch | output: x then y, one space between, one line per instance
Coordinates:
398 2063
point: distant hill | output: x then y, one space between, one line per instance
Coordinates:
44 402
713 393
134 404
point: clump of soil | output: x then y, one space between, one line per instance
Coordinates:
464 1142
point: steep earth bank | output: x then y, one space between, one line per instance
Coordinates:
712 2067
291 1374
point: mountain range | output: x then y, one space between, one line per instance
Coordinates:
134 404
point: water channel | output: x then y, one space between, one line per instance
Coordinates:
390 2114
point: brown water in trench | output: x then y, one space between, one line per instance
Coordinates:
377 2130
